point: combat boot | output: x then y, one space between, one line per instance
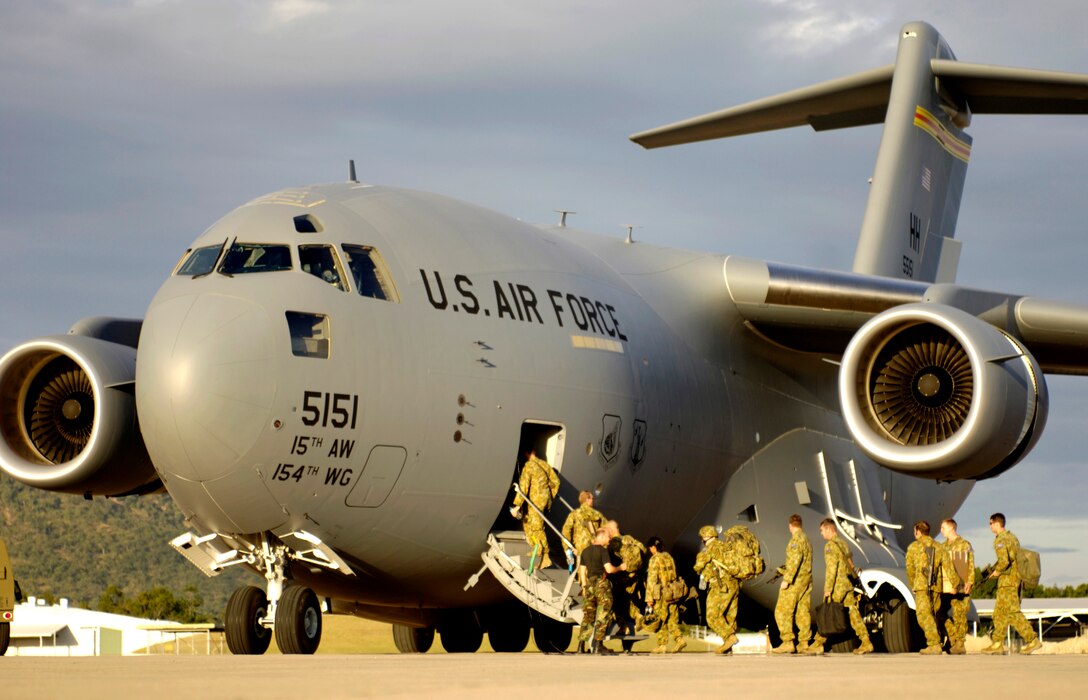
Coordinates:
957 649
603 650
932 651
784 648
867 648
660 649
727 645
680 644
995 648
1033 645
814 649
802 647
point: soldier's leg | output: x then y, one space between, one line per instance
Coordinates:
803 615
923 608
959 607
732 606
604 609
715 611
1002 605
673 622
851 603
784 611
1019 622
589 613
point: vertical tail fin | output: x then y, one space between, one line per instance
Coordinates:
926 100
910 218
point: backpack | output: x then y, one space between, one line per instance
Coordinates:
1029 566
745 561
633 553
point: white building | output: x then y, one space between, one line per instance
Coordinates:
60 630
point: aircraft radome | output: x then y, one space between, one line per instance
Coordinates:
337 382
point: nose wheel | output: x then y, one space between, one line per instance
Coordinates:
298 621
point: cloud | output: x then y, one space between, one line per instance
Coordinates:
816 27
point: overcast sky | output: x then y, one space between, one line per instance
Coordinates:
129 126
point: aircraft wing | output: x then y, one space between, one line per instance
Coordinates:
820 311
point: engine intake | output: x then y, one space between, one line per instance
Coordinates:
68 417
931 391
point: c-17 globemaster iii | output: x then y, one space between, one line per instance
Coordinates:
337 382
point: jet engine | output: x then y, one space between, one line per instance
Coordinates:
68 417
932 391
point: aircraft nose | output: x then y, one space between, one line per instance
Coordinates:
205 383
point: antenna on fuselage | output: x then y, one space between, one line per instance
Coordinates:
563 216
351 171
630 232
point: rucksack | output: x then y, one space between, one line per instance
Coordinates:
633 553
1029 566
745 561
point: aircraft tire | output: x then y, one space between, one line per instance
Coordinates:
463 636
899 628
244 631
298 621
551 636
413 640
5 637
509 633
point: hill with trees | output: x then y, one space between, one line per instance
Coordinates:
112 552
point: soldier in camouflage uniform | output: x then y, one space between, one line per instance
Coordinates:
724 590
583 522
839 587
540 483
957 578
593 574
923 566
795 594
661 571
628 586
1007 606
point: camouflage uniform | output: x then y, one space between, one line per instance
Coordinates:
838 582
722 597
923 561
955 600
540 483
581 525
1007 606
630 580
661 571
795 600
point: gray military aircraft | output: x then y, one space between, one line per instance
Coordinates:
337 382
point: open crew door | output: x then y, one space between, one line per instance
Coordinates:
551 591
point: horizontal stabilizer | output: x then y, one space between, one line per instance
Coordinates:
855 100
1001 90
862 99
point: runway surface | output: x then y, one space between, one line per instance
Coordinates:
513 676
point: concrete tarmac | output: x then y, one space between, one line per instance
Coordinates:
510 676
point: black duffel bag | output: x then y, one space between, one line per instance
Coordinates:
831 618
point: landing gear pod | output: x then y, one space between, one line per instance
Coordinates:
931 391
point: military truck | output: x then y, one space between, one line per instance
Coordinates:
8 594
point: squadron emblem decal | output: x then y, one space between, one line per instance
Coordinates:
610 439
638 445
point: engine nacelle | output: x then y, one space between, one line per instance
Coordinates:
68 417
931 391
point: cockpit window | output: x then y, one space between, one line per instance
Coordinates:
321 262
200 261
369 273
255 257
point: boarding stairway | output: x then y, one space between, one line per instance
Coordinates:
553 592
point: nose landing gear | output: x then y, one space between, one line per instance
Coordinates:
293 611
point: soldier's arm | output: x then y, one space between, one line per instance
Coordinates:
701 560
831 563
970 571
793 564
568 527
523 485
1001 548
